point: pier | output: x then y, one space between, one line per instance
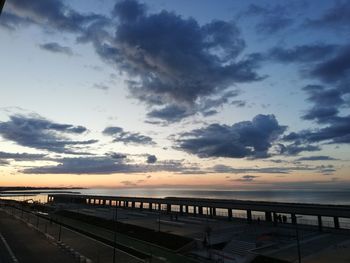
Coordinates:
211 207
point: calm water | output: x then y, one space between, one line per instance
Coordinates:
291 196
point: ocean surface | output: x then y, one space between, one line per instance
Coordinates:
290 196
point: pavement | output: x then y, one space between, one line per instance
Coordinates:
88 247
27 244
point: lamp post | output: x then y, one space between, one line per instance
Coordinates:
297 238
159 211
115 232
2 2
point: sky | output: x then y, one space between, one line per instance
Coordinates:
179 94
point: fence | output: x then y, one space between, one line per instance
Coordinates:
84 248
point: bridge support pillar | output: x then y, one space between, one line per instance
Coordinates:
150 206
319 219
268 216
194 210
294 219
186 208
229 212
249 216
275 219
181 209
133 204
200 210
213 209
168 208
336 222
141 205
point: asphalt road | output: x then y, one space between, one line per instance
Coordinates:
27 244
5 256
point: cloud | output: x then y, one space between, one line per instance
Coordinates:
151 159
173 62
206 106
119 135
296 147
100 86
115 155
302 53
243 139
36 132
272 19
3 162
317 158
323 169
245 178
336 133
107 165
336 17
56 48
170 113
326 104
21 156
335 69
53 13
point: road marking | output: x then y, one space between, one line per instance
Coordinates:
9 250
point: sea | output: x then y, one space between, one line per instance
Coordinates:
340 197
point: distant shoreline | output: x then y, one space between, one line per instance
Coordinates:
21 190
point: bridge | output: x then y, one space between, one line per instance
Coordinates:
210 207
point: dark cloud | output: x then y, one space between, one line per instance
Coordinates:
100 86
245 178
115 155
170 113
272 19
326 104
119 135
4 162
243 139
296 147
337 132
171 61
53 14
326 169
85 165
336 17
151 159
317 158
21 156
335 69
205 106
263 170
11 21
56 48
302 53
106 165
39 133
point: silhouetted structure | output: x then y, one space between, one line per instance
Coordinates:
197 206
2 3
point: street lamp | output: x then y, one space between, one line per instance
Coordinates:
115 232
2 2
159 211
297 237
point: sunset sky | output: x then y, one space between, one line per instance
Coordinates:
190 93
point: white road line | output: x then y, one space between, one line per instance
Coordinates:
9 250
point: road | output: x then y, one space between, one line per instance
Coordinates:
28 245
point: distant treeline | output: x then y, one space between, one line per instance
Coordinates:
29 188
